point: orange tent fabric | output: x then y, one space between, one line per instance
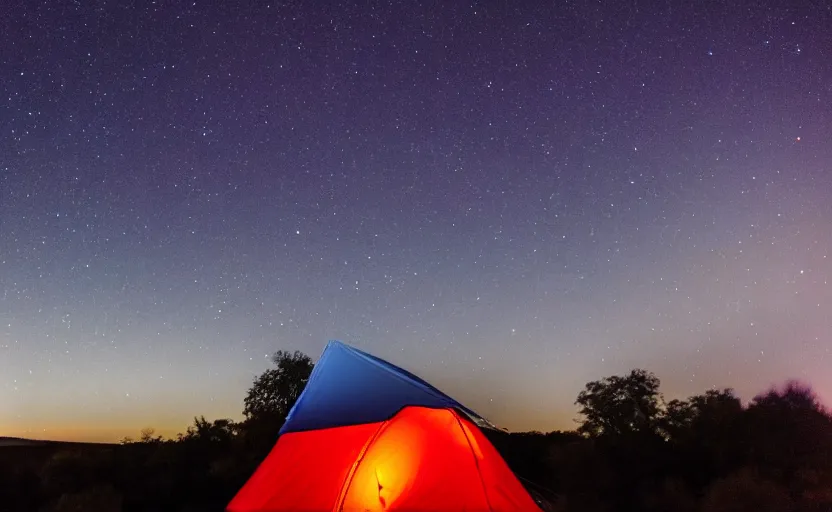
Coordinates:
421 459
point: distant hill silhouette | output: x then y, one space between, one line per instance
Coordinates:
633 450
18 441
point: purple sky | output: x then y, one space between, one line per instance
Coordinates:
508 201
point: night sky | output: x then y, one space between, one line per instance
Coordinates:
509 200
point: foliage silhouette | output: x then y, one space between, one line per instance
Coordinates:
620 405
631 452
277 389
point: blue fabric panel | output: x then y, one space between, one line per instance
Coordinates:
351 387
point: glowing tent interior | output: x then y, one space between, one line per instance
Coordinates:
367 436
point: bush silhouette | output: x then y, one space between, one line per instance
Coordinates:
632 450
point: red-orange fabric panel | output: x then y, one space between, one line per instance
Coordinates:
421 461
304 472
505 492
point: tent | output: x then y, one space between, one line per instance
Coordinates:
368 436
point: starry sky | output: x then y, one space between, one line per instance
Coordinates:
509 199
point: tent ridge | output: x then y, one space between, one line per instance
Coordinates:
349 387
406 379
366 435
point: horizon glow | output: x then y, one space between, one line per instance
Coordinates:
509 202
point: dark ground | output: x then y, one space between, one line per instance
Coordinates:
632 452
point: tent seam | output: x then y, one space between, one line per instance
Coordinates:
345 485
476 461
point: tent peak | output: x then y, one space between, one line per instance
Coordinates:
349 386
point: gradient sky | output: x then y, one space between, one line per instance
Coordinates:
508 201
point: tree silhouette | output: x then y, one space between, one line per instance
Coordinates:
790 440
148 435
707 435
705 453
269 400
619 405
276 390
221 431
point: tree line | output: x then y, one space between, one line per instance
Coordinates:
631 451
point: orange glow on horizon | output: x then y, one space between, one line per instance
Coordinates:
81 433
113 430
